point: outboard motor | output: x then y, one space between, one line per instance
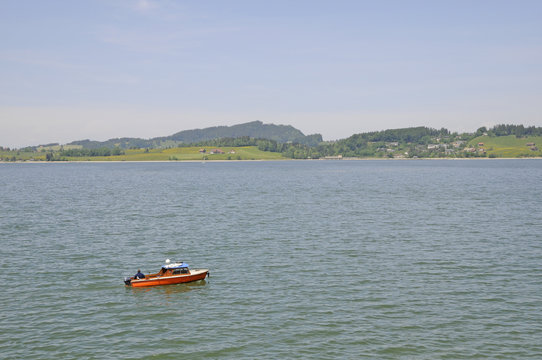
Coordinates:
128 281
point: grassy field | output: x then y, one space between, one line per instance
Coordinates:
230 153
509 146
172 154
21 156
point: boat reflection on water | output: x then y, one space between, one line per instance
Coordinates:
164 295
171 289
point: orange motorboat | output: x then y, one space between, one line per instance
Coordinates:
169 274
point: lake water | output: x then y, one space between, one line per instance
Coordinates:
308 259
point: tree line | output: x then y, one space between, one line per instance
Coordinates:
507 130
103 151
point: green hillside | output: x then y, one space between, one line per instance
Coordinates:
508 146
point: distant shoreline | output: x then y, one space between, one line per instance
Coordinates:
259 160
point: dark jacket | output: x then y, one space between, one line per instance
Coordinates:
139 275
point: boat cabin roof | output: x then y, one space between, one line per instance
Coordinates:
175 265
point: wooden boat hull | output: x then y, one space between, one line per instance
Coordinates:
194 275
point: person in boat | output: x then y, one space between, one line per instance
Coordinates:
139 275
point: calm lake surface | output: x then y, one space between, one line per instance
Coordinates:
308 259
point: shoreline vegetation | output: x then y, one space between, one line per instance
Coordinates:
499 142
262 160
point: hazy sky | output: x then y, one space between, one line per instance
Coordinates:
72 70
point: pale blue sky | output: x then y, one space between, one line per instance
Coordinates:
100 69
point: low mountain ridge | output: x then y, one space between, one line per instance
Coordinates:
254 129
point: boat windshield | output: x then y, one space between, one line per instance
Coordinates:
180 271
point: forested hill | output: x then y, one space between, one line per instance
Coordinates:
420 134
254 129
